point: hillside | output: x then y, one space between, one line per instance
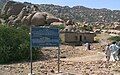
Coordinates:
79 13
2 2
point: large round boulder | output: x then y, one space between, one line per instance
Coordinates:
38 19
50 18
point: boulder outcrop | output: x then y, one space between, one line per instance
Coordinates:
12 8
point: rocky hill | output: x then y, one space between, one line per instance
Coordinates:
79 13
2 2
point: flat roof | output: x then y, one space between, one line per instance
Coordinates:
87 32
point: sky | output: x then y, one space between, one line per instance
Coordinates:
109 4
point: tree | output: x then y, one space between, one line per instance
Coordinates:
15 45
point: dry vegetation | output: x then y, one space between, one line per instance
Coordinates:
74 61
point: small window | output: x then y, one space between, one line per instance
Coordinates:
76 38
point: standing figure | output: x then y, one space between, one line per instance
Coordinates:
87 46
114 51
107 52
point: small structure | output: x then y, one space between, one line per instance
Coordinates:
77 38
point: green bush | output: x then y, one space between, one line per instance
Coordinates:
15 45
114 38
87 28
4 16
59 26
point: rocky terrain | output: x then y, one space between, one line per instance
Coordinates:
74 61
67 67
2 2
79 13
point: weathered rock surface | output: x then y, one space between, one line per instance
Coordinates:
12 8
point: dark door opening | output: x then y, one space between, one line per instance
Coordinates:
80 38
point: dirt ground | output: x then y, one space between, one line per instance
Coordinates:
74 61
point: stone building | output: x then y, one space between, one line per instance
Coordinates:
77 38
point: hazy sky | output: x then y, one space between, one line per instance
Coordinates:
110 4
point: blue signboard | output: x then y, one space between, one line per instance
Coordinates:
44 37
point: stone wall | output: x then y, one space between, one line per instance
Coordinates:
74 37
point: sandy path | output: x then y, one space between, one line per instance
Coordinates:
98 56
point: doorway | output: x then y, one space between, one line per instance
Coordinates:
80 38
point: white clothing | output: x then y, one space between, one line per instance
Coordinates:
114 52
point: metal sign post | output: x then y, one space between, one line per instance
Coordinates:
44 37
59 55
58 59
30 52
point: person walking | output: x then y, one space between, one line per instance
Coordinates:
107 52
87 46
114 51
